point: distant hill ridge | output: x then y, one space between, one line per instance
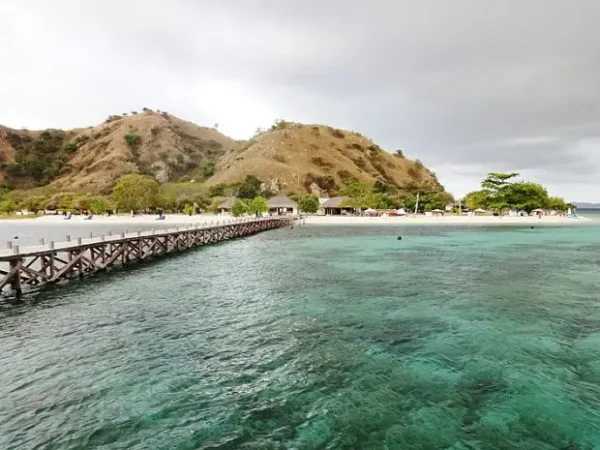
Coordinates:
288 157
587 205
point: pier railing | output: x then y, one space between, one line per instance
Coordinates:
55 262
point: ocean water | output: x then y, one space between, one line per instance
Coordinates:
28 232
318 338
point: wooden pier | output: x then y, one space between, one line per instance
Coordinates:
57 262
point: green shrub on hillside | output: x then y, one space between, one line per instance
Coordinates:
218 190
133 140
70 147
41 158
336 133
279 124
208 170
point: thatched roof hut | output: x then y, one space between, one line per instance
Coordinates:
334 202
281 201
227 204
334 206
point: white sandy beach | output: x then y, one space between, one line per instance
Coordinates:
180 219
140 219
444 220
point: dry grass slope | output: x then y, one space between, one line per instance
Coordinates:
164 146
289 157
294 156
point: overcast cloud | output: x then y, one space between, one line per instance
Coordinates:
467 86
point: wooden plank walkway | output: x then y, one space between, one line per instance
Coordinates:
57 262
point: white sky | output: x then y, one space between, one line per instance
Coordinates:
466 86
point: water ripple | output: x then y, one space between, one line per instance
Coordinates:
317 338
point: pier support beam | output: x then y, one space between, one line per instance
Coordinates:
55 262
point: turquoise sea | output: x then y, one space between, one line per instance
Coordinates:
318 338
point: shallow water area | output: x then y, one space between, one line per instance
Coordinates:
318 337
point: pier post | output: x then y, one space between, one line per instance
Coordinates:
9 245
73 258
52 266
15 282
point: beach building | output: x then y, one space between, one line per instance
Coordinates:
226 205
322 201
334 207
282 205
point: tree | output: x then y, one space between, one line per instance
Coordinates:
477 199
239 208
83 202
387 201
8 207
218 190
308 203
359 195
63 201
166 201
497 185
266 193
500 192
526 196
258 205
428 201
279 124
134 192
99 205
399 153
33 203
208 170
188 209
250 188
557 204
381 187
497 180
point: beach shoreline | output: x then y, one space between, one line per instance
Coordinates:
446 220
181 219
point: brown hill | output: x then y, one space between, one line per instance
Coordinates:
92 159
289 157
297 157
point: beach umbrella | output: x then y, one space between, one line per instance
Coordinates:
538 210
437 211
401 212
479 210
